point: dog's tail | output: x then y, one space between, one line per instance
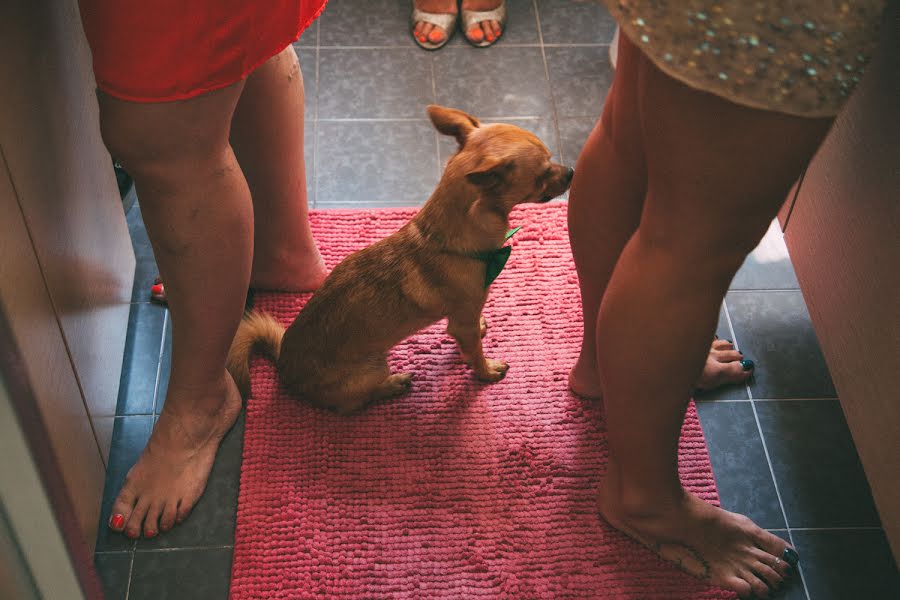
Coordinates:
257 331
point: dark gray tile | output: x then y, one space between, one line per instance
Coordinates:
726 392
543 128
114 569
165 368
818 472
774 329
130 435
521 27
366 23
141 359
839 565
203 574
768 267
793 588
568 22
739 462
502 82
573 133
211 522
384 83
580 77
391 163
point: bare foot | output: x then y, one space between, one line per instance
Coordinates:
170 476
724 366
721 547
485 30
297 270
427 32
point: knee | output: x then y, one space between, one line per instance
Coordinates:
697 253
157 151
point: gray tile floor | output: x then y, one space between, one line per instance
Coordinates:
780 447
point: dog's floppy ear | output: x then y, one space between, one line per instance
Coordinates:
489 173
450 121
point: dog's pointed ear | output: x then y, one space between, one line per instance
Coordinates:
489 173
450 121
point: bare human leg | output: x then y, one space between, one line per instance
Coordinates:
267 137
706 207
605 205
196 206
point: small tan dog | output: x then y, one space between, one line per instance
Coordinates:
335 352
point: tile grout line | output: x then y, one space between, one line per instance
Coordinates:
861 528
185 549
822 399
162 347
130 574
753 290
762 439
554 111
437 135
316 127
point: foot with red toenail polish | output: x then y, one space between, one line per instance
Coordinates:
433 21
483 20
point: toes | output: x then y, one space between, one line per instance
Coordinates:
777 564
425 31
769 575
757 585
488 31
722 345
182 512
135 523
436 36
476 34
741 586
495 29
151 521
728 356
122 508
167 521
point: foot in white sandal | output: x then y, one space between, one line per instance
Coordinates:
483 21
432 22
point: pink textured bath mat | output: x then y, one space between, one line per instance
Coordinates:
460 489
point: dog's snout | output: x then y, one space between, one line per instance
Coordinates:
570 173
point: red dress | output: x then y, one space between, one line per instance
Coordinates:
163 50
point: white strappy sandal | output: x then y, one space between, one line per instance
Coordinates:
474 17
445 21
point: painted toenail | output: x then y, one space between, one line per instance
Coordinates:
747 364
150 534
791 557
116 521
132 534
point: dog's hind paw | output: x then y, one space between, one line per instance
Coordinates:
395 385
495 370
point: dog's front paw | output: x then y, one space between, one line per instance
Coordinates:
495 370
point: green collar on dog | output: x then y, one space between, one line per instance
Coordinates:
495 260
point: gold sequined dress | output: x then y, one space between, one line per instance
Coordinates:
798 57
